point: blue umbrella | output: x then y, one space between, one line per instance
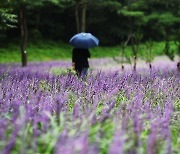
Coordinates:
84 40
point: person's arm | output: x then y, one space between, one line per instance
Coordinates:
73 65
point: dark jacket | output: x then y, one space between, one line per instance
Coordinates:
80 58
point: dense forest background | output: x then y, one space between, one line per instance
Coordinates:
112 21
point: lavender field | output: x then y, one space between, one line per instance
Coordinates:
44 109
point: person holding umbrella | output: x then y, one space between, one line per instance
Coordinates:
80 54
80 61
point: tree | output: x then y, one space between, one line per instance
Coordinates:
123 46
149 56
135 42
123 56
21 8
80 15
80 9
135 18
82 6
165 21
177 43
168 51
7 18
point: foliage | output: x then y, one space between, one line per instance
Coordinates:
149 55
46 50
7 18
165 19
168 51
110 20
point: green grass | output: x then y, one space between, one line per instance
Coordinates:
43 50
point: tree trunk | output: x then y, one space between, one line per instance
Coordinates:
24 33
124 45
122 67
77 18
135 59
134 52
83 18
122 57
150 66
178 66
80 15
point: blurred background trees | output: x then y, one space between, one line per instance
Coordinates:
112 21
7 18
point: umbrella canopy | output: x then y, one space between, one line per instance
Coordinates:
84 40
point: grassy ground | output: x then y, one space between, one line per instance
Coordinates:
48 50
